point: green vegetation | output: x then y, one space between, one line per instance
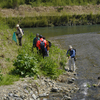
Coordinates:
16 3
16 62
48 21
30 64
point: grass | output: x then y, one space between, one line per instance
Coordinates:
16 3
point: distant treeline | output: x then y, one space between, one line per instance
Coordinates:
48 21
16 3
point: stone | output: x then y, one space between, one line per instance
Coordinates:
34 96
54 89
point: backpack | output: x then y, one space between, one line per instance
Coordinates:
42 45
75 54
49 43
74 50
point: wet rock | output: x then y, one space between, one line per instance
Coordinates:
70 81
43 95
10 94
67 98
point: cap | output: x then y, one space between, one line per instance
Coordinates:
37 34
70 47
40 36
17 25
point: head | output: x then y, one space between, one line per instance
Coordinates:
44 38
40 36
17 26
37 35
70 47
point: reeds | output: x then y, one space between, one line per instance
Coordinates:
47 21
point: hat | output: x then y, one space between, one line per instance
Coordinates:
70 47
40 36
37 34
17 25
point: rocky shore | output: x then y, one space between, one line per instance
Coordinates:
41 88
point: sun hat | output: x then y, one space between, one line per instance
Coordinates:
17 25
70 47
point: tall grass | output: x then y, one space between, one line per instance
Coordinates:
47 21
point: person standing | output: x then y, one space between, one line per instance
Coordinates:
71 56
41 44
47 47
19 34
35 41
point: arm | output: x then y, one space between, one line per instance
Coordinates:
34 41
68 53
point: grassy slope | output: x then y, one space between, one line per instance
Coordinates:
9 51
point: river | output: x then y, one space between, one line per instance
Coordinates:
86 40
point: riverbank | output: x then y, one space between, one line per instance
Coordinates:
46 78
28 16
41 88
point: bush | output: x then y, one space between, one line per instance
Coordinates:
25 65
50 68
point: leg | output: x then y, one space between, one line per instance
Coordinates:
48 53
69 64
73 62
20 41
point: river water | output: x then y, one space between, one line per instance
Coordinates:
86 40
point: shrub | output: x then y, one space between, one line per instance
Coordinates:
50 68
25 65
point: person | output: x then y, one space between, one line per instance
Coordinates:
19 34
41 44
47 47
71 55
35 41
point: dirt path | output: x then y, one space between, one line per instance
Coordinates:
25 10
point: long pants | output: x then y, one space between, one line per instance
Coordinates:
20 41
72 63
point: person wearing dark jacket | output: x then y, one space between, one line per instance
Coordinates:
19 34
35 42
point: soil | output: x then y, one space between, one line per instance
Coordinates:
27 10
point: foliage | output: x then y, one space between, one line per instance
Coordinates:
30 64
25 65
8 79
45 21
50 68
16 3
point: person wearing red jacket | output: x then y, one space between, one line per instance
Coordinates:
38 44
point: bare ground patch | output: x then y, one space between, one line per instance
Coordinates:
26 10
